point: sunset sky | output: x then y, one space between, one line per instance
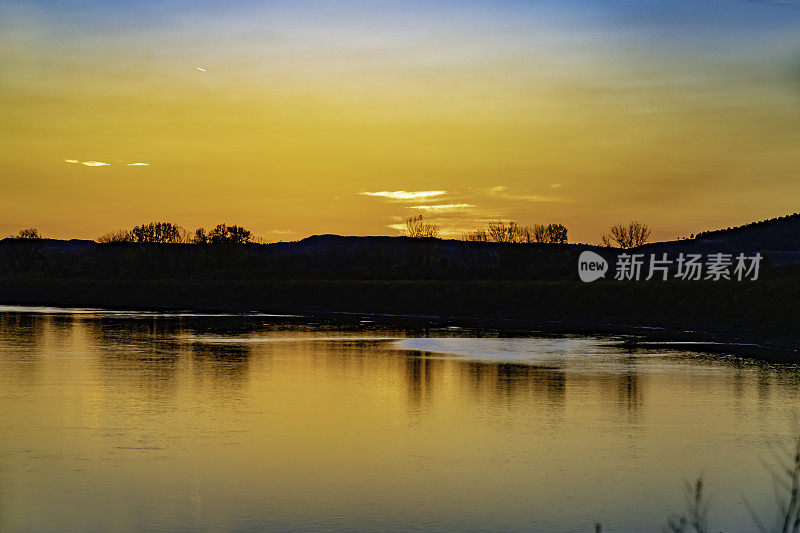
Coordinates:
298 118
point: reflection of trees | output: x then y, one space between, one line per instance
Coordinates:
22 336
764 383
768 379
23 330
504 381
548 384
61 326
629 393
509 381
149 354
221 362
138 353
150 358
738 380
419 373
788 379
140 338
628 384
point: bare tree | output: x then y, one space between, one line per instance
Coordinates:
538 233
116 236
628 235
499 231
416 227
479 235
525 234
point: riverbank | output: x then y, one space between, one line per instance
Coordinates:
754 320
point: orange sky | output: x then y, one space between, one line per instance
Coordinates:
583 114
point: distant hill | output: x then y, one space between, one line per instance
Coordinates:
779 237
777 226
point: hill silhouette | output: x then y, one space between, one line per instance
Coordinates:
773 226
779 236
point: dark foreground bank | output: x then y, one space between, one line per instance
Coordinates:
758 319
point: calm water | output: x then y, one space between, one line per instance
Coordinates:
154 422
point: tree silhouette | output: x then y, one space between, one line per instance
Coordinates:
116 236
500 231
628 235
417 228
167 232
479 235
224 234
200 236
28 233
556 234
538 233
160 232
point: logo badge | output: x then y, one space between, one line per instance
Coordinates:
591 266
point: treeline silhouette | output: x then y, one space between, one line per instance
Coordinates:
512 232
169 233
497 231
624 235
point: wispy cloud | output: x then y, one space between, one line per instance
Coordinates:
443 207
281 232
103 163
502 191
404 195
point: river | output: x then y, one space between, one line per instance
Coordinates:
134 421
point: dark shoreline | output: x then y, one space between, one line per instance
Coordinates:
642 334
507 287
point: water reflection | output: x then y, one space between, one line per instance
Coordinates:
419 374
228 364
511 382
172 422
22 330
630 394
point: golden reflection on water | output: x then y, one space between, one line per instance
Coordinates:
168 423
